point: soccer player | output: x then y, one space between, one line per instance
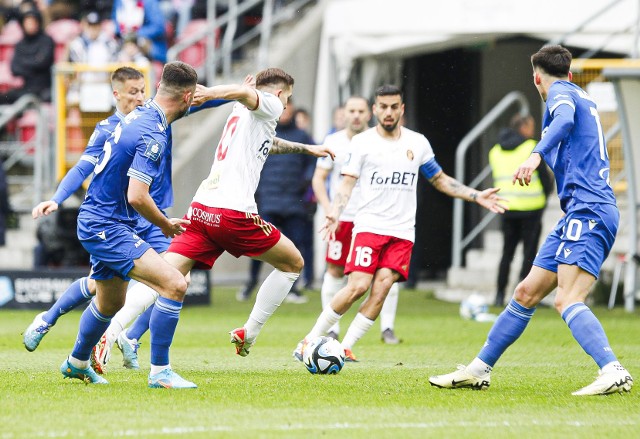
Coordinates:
356 117
133 157
572 254
385 160
223 215
128 90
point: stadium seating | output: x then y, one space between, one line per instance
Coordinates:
9 37
63 31
195 54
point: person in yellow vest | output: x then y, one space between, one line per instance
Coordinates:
523 220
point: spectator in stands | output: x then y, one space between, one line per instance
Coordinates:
143 20
93 46
284 183
32 60
130 52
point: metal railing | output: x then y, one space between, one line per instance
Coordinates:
460 242
222 57
27 190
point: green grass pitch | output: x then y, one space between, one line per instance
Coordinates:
270 395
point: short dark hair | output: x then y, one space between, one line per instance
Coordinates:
274 76
178 76
388 90
554 60
123 74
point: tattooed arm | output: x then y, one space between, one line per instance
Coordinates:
340 201
487 198
281 146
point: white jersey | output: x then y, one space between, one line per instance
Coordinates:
387 172
243 148
340 144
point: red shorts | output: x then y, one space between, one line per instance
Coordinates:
369 252
214 230
338 250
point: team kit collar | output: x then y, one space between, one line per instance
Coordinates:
151 104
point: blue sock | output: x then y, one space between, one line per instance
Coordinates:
163 322
92 325
140 325
588 332
74 296
510 324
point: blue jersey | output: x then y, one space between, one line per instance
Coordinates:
81 170
573 146
138 148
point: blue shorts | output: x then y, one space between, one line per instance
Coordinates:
583 237
152 235
113 246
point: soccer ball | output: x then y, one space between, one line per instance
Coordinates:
474 307
323 355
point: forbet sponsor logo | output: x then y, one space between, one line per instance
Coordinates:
394 179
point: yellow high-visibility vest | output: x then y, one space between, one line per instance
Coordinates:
503 164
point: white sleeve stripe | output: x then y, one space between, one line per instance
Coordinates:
89 158
139 176
569 103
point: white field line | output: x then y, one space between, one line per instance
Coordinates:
172 431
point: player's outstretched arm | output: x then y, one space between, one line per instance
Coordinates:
138 196
69 184
340 201
281 146
487 198
243 93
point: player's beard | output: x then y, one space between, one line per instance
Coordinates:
389 128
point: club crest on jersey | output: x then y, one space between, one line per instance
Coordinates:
410 155
153 151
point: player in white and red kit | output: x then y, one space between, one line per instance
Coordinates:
357 116
385 161
223 213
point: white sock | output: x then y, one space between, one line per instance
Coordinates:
139 298
330 286
357 329
78 363
157 369
389 307
270 295
478 368
328 317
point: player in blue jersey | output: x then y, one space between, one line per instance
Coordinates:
570 258
133 157
128 90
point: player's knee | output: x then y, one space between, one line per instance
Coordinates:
525 295
357 289
295 264
175 287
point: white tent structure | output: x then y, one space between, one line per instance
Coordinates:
379 33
